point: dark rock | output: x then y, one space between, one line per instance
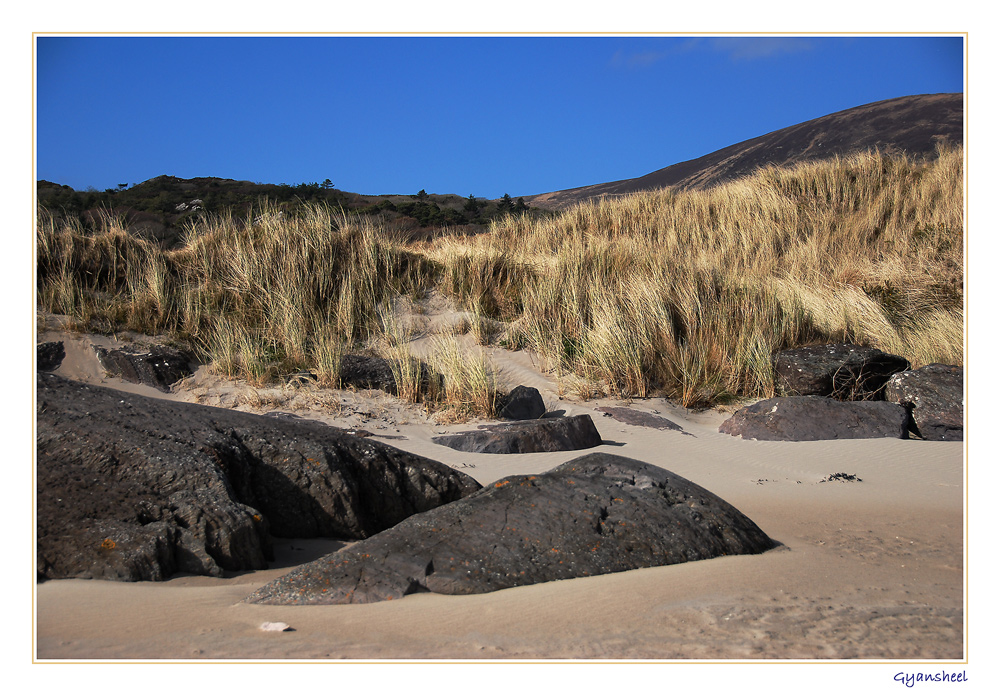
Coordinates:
522 403
50 355
134 488
299 379
596 514
520 437
375 372
367 372
839 370
934 395
800 418
645 420
159 368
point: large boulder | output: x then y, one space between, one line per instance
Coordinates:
158 367
134 488
559 434
595 514
839 370
934 395
522 403
801 418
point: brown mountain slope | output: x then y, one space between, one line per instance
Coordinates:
914 125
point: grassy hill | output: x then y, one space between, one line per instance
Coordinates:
681 293
914 125
161 208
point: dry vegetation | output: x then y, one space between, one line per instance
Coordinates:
686 294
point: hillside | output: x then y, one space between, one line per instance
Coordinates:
913 125
160 208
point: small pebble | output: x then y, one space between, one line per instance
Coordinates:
275 626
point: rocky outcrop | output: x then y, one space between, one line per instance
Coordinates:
522 403
934 395
134 488
593 515
159 367
801 418
838 370
560 434
49 355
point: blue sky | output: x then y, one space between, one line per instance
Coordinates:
482 115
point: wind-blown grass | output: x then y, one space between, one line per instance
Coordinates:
685 294
690 293
259 299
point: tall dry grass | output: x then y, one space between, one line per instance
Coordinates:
280 294
690 293
686 294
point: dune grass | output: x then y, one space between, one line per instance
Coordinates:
259 300
689 293
684 294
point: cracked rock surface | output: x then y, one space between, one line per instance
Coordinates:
596 514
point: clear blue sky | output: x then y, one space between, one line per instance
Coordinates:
481 115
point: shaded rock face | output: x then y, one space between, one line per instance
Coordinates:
367 372
132 488
50 355
839 370
802 418
522 403
159 368
560 434
934 395
593 515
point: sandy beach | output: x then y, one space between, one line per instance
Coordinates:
867 569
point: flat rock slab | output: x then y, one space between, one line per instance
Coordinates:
595 514
640 418
134 488
159 367
840 370
560 434
935 396
805 418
